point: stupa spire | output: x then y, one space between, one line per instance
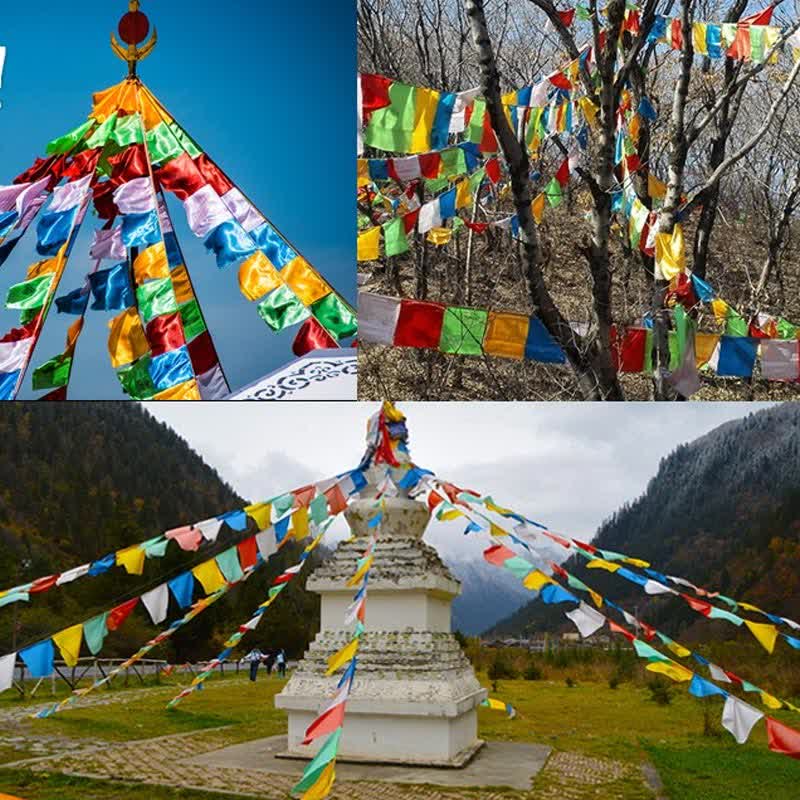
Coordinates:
133 29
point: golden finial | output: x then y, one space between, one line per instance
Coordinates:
133 29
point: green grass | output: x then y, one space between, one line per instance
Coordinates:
591 719
62 787
700 770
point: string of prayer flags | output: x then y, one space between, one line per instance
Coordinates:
319 775
277 587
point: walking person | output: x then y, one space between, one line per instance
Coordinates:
270 661
254 657
280 661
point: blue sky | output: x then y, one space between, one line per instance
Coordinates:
266 89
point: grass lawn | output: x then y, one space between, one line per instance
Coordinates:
590 719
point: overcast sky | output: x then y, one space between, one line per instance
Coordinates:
568 465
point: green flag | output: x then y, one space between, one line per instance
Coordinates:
162 144
463 330
435 185
100 136
735 325
391 128
30 294
128 131
318 508
394 237
282 504
756 43
786 330
282 308
66 142
136 381
454 162
156 298
95 632
335 317
553 193
192 319
475 127
476 179
321 760
53 374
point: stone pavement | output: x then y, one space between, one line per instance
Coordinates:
186 760
497 764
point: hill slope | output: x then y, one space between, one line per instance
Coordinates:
722 511
78 481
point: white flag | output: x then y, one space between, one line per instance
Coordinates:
739 717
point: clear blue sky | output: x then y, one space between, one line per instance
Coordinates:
266 89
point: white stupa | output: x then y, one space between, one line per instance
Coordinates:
415 694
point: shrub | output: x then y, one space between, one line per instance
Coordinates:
502 668
571 683
660 691
532 672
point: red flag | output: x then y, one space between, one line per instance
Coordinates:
763 17
590 547
43 584
165 333
131 163
434 498
56 396
619 629
248 552
783 739
566 17
336 500
410 220
478 227
18 334
559 80
119 614
82 164
52 166
374 94
312 336
562 176
181 177
327 722
213 175
429 165
493 170
202 353
104 200
498 554
698 605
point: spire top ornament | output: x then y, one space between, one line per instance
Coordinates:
133 30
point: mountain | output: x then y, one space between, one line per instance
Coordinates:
722 511
479 581
80 480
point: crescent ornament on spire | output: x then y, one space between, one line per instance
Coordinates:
133 30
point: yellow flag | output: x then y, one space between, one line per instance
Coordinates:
720 309
362 173
46 267
439 236
451 513
426 103
750 607
181 285
68 643
671 670
596 598
679 650
497 705
463 194
601 563
361 572
127 341
496 530
770 702
304 281
655 188
589 111
183 391
704 346
338 660
261 513
209 575
300 523
670 254
151 263
536 580
637 562
496 508
767 635
699 37
633 128
132 558
537 208
369 245
258 276
322 788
